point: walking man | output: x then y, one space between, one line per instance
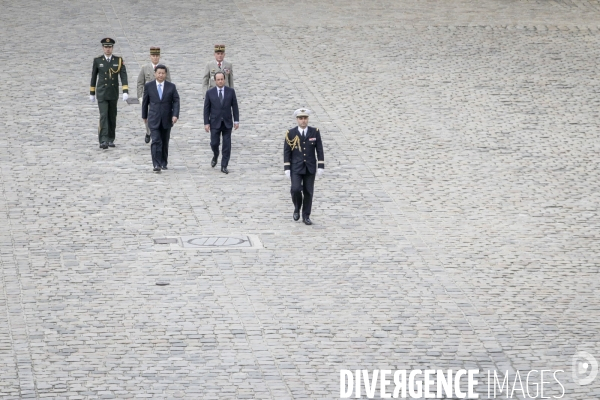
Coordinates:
106 70
219 104
146 75
300 164
160 110
218 65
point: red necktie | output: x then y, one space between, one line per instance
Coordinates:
219 65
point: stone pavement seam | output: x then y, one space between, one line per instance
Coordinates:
126 48
17 321
255 324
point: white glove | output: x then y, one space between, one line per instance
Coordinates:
287 173
92 98
140 100
125 96
320 172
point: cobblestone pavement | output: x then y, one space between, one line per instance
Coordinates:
456 225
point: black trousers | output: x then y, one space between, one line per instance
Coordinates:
160 146
108 120
215 141
302 184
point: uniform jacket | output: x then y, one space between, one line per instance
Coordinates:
209 74
105 78
146 75
307 153
215 112
160 112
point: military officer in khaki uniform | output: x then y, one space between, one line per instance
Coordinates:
104 87
146 75
218 65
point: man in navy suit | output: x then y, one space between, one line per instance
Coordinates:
219 104
160 109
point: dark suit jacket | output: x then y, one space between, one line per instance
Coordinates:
160 112
307 154
214 112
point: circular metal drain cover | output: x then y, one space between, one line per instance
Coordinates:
217 241
209 243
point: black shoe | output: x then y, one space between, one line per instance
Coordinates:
296 215
214 161
111 144
156 169
147 139
224 170
307 221
104 145
164 167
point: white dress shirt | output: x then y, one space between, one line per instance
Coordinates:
162 86
303 131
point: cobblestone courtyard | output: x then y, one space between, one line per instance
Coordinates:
456 225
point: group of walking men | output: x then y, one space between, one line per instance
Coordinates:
303 148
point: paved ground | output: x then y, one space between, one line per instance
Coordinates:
456 225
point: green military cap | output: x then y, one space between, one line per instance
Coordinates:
107 42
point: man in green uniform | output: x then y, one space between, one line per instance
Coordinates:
105 88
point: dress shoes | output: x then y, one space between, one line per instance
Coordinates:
224 170
156 169
111 144
213 162
296 215
307 221
147 139
164 167
104 145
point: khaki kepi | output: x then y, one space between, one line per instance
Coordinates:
155 51
219 48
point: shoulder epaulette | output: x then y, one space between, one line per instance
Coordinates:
317 129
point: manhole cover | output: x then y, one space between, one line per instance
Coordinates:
211 243
218 241
215 241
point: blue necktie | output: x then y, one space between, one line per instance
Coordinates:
160 90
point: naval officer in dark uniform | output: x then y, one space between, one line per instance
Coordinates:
303 159
104 87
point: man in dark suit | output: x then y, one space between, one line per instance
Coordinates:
160 109
219 104
300 163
